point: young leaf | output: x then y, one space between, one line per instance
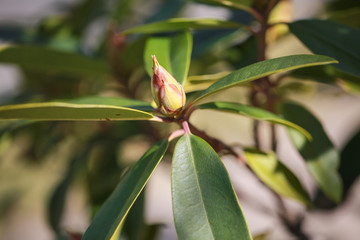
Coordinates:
47 59
276 175
320 155
52 111
111 215
172 52
331 39
181 24
265 68
204 202
253 112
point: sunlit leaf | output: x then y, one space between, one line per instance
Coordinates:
253 112
276 175
111 215
320 155
204 202
172 52
265 68
181 24
331 39
84 109
50 60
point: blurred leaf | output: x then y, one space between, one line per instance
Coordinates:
173 53
253 112
320 155
350 17
331 39
181 24
73 111
201 82
110 217
57 200
50 60
350 162
166 10
235 4
265 68
276 175
261 236
330 75
204 202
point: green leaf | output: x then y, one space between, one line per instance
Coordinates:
253 112
47 59
320 155
265 68
83 109
350 165
204 202
235 4
276 175
111 215
181 24
172 52
331 39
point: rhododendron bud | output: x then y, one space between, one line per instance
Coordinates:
168 94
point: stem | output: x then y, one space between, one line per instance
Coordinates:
185 126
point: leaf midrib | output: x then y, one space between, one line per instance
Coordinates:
198 182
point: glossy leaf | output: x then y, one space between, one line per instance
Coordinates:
83 109
276 175
172 52
234 4
47 59
111 215
204 202
320 155
265 68
331 39
181 24
253 112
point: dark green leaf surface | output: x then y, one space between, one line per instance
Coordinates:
331 39
320 155
350 162
85 109
172 52
276 175
204 202
253 112
181 24
111 215
50 60
265 68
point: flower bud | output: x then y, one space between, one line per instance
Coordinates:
168 94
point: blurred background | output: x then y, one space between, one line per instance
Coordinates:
55 175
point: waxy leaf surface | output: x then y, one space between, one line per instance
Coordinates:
204 202
263 69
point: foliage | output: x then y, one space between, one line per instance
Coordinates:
110 84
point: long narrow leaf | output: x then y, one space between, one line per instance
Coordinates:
265 68
47 59
111 215
204 202
181 24
253 112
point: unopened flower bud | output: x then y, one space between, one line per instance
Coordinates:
168 94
